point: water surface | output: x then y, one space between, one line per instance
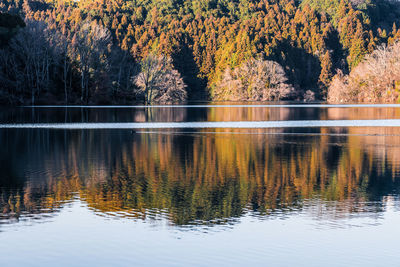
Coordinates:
278 185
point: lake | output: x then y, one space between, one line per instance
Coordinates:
200 185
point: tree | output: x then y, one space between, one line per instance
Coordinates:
35 54
91 44
375 79
122 67
10 25
159 82
326 72
357 49
254 80
64 48
210 35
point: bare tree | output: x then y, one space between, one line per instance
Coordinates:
8 72
122 67
35 55
90 43
309 96
64 51
254 80
159 82
376 79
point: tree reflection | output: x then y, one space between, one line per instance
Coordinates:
198 177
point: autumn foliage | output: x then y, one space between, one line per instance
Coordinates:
205 40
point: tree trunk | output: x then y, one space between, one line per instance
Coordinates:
65 80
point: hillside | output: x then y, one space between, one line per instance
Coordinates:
94 51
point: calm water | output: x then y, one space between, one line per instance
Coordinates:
285 185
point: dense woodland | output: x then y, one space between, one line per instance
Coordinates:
128 51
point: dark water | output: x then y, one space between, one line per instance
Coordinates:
271 186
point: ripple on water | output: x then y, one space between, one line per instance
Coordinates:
202 125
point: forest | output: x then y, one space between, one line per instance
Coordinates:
170 51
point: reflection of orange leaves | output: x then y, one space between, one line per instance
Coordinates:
213 175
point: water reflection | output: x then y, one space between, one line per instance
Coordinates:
204 176
211 113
